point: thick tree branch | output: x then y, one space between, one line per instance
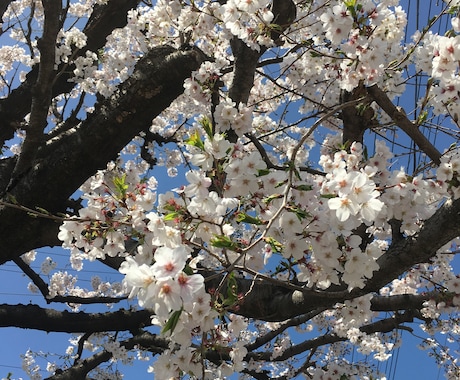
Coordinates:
261 340
382 326
296 349
34 317
41 91
245 64
356 118
103 20
246 60
272 302
80 370
3 6
437 231
400 119
37 318
407 301
157 80
389 324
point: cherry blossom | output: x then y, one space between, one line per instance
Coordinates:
169 262
266 190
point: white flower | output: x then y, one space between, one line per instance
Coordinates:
206 206
445 172
371 209
168 297
47 266
138 278
344 207
115 243
169 262
29 257
294 247
201 307
290 223
456 24
199 184
218 147
190 285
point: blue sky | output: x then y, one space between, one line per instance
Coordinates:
407 363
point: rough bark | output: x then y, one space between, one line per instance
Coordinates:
246 59
104 19
356 118
51 320
41 90
58 169
3 5
274 302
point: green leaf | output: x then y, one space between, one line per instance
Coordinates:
172 216
169 207
245 218
172 321
262 172
301 214
303 187
271 198
422 117
120 185
207 126
274 244
315 54
275 27
188 270
42 210
195 140
222 241
12 199
350 4
328 196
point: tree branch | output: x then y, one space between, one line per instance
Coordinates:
156 81
44 289
3 6
41 91
356 118
404 301
247 59
261 340
400 119
79 371
273 302
104 19
296 349
37 318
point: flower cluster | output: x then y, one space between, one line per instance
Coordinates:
253 210
229 116
116 204
248 20
438 56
